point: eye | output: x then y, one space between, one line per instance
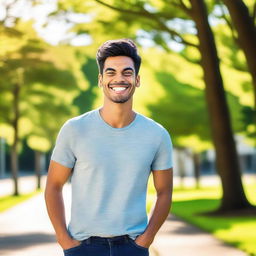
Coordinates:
129 73
110 73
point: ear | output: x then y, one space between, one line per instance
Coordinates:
137 81
100 80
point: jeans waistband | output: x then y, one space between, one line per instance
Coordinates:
107 240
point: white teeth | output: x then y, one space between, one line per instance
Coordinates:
118 88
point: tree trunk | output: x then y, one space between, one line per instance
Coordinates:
2 157
196 165
38 168
14 155
227 160
246 32
181 166
14 170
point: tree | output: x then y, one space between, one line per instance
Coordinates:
244 25
26 72
237 78
227 161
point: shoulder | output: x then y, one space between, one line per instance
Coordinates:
78 122
152 125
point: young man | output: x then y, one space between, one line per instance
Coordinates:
109 153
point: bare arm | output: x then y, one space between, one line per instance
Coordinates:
57 177
163 184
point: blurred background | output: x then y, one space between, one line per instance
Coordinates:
198 79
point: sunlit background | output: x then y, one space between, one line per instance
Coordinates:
48 74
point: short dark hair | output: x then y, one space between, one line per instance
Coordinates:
119 47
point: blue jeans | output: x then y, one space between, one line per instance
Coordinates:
103 246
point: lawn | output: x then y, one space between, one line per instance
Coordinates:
6 202
189 203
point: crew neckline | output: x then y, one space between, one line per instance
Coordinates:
99 117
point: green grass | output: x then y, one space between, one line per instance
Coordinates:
7 202
189 203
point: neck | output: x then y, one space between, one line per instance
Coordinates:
117 115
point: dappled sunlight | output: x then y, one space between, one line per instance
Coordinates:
6 131
39 143
239 85
195 143
173 63
240 232
183 194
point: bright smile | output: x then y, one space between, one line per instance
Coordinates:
119 89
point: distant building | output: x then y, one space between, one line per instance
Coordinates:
183 162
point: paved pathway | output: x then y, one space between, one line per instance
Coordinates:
178 238
25 230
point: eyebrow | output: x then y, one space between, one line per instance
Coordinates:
109 69
125 69
128 69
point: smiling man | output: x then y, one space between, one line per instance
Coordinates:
109 153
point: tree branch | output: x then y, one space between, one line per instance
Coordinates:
162 26
224 16
142 12
183 7
174 34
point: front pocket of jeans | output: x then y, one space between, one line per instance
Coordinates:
73 248
138 246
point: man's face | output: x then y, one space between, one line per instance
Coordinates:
119 79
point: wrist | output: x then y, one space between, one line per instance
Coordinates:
149 235
63 237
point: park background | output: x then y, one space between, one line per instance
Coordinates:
198 79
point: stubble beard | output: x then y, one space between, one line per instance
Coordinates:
120 99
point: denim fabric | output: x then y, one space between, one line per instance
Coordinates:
114 246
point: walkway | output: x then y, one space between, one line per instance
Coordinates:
25 230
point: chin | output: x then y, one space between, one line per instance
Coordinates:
120 101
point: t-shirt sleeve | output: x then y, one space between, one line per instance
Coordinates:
163 156
63 151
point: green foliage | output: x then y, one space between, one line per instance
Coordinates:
43 82
172 92
7 202
86 98
181 100
236 77
248 123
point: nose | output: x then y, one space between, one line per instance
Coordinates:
119 78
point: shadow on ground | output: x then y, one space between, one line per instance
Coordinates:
15 242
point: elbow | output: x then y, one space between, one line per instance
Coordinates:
51 189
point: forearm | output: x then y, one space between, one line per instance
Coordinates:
56 211
159 214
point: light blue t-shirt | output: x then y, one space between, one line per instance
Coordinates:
111 167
